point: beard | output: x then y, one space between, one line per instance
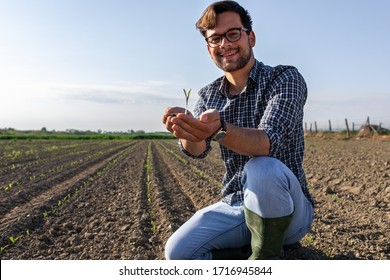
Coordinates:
239 63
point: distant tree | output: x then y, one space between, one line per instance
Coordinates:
43 129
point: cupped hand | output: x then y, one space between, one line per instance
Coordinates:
195 130
169 114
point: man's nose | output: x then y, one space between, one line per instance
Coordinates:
225 41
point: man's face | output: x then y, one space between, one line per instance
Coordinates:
231 56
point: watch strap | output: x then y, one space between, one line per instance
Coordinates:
220 133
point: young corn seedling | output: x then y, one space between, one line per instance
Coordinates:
3 248
187 95
14 239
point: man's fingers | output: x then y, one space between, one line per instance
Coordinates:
185 126
167 120
192 126
179 132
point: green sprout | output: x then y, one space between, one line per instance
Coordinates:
187 95
3 248
14 239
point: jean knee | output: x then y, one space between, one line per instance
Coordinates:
172 250
262 170
266 187
182 245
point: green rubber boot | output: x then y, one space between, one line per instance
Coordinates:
242 253
267 235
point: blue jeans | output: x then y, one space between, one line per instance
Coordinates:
270 189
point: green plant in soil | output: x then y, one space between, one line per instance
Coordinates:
334 198
309 238
14 239
148 166
148 179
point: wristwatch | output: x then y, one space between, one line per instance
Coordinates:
221 132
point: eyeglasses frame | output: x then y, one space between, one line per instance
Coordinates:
224 35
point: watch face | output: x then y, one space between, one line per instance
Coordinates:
220 135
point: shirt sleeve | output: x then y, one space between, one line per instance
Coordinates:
202 155
284 111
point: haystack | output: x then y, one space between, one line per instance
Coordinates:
367 129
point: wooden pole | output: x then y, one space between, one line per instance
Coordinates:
315 127
348 132
330 126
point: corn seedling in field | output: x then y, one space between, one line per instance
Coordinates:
14 239
148 167
3 248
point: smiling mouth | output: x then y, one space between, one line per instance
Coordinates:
229 54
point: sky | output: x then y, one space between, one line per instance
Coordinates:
115 65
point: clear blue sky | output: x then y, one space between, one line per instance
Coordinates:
116 65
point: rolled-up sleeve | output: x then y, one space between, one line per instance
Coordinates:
284 108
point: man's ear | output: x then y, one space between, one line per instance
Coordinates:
252 39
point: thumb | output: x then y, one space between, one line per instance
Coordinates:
209 116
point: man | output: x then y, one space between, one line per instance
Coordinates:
255 112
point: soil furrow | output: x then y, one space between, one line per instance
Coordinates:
197 188
178 205
212 165
170 205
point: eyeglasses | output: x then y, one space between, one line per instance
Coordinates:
232 35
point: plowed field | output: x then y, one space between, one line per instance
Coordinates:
123 199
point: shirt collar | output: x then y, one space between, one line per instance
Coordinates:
254 76
255 73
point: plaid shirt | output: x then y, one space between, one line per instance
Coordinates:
273 101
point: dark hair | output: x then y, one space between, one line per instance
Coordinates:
208 20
